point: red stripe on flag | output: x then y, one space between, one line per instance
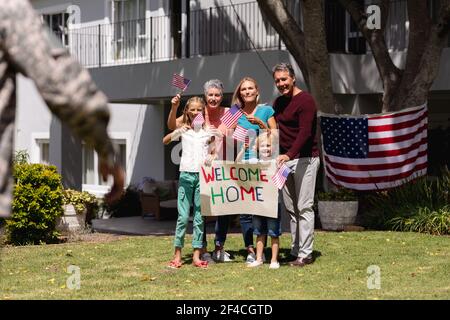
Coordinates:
388 178
374 167
397 152
398 138
398 114
396 126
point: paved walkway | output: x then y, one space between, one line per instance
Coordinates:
150 226
144 226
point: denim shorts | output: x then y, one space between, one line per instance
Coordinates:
266 226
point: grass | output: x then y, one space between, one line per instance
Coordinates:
412 265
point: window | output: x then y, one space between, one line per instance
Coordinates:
356 43
91 175
58 25
130 39
44 151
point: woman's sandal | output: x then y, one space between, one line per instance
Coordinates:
174 264
200 264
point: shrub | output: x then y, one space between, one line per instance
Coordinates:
342 194
21 157
128 205
410 207
36 204
434 222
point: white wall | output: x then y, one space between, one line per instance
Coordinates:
92 11
32 118
142 126
205 4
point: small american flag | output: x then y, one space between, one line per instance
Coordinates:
374 152
280 177
198 120
241 134
231 117
180 82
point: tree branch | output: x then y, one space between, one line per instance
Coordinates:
419 30
443 26
429 63
384 6
389 73
289 31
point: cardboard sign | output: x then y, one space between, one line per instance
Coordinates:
238 188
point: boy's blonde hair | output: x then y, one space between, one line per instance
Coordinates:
264 137
186 119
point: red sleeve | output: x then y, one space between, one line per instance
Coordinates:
306 118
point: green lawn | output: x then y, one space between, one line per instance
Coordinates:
413 266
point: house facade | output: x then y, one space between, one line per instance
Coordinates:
133 47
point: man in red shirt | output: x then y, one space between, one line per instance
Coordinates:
295 113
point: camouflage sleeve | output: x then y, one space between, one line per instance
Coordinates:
65 86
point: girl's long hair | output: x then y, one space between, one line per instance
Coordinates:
186 119
237 99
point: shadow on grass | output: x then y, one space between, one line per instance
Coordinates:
239 256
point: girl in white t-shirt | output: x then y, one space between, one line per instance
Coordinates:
195 142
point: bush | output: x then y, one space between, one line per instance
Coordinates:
342 194
81 201
21 157
421 205
434 222
128 205
37 202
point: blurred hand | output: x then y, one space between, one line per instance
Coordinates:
176 101
119 180
182 129
215 132
209 159
256 120
282 158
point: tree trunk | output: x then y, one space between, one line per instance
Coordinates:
318 59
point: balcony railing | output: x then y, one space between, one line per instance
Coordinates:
215 31
208 32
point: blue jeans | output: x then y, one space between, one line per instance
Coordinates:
221 230
267 226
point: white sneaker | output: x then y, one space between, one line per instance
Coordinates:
221 256
207 257
226 256
274 265
255 264
251 257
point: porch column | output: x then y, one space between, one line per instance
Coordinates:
65 153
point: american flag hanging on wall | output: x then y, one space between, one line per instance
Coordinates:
374 152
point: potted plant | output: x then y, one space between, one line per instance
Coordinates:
79 208
337 209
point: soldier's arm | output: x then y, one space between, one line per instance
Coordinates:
65 86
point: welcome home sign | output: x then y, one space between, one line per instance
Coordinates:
238 188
